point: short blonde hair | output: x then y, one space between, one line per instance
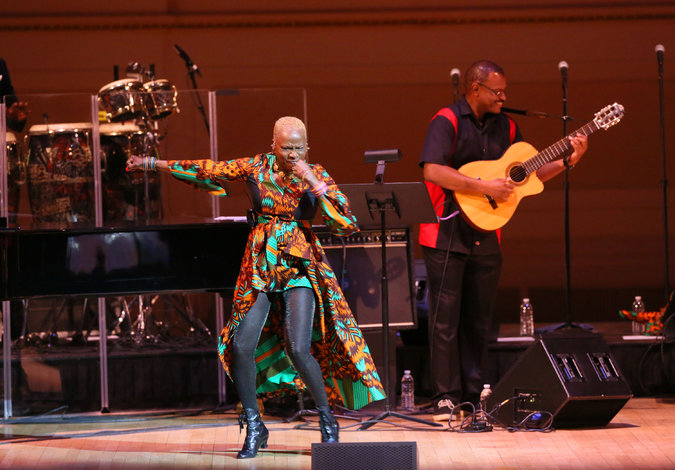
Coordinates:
286 123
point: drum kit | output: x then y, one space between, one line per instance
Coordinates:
133 110
127 100
59 171
58 164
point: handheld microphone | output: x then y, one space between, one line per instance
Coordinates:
192 67
659 49
562 65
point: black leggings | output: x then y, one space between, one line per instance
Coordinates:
299 314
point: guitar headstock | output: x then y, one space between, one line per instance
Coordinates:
608 116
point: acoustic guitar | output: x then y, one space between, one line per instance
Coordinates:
520 163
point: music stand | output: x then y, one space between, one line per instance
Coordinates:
370 203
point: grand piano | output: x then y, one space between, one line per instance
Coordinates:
103 262
120 261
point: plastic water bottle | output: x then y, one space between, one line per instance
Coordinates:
407 391
526 318
639 307
484 396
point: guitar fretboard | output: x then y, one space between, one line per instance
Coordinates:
554 151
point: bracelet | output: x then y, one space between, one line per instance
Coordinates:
150 164
304 173
320 189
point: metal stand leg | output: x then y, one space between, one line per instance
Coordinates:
139 328
302 411
7 356
103 354
197 327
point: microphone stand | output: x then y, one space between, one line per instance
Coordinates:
659 52
200 105
192 71
454 74
568 283
566 185
568 296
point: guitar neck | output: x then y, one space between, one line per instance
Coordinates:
554 151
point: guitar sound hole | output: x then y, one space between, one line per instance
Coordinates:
517 174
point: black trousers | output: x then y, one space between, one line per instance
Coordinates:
298 317
462 292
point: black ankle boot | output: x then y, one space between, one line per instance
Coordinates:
256 433
329 425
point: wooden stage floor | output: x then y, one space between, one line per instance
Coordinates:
640 436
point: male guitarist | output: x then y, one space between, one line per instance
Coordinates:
463 263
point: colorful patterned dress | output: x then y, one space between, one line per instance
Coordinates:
282 252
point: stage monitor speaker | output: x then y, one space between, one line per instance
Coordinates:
571 375
357 263
364 455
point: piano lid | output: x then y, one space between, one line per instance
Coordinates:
102 262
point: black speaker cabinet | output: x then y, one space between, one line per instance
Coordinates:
364 455
571 375
357 263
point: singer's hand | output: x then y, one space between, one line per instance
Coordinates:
135 163
302 171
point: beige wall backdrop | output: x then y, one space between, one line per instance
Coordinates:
376 71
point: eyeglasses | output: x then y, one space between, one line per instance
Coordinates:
498 93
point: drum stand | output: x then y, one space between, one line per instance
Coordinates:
79 338
197 327
50 335
23 338
35 338
139 332
140 328
150 145
149 148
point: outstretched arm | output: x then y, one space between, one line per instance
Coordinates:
136 163
204 174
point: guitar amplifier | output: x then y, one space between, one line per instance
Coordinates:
357 263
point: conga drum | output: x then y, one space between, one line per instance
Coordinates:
122 100
128 197
160 99
61 174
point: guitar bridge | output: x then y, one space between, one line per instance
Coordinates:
492 202
489 198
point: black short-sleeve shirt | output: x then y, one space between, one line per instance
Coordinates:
473 142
